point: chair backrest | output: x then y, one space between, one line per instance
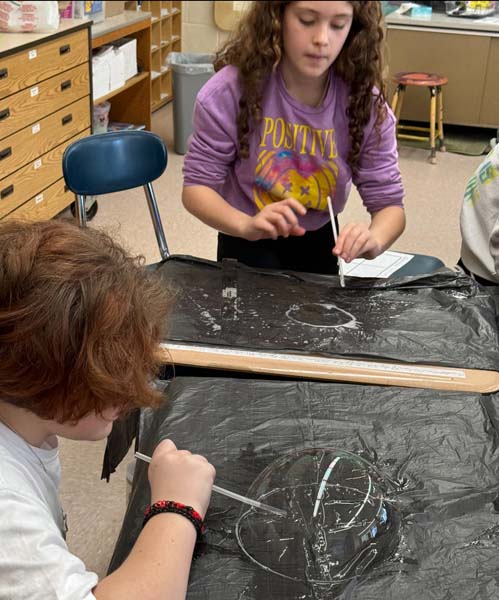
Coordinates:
113 162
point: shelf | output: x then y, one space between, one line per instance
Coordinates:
166 37
130 83
119 26
160 103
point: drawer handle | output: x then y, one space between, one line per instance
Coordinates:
65 85
65 49
4 114
6 191
4 73
5 152
67 119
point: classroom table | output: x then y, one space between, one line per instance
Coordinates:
405 331
435 449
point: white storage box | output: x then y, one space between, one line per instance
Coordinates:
129 48
101 77
107 61
117 60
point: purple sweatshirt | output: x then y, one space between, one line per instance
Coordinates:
296 150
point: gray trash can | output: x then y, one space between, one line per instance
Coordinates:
190 72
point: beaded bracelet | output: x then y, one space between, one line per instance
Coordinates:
165 506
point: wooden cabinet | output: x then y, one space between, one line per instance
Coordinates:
132 102
45 105
468 60
166 37
489 111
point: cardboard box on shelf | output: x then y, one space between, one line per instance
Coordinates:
128 47
117 68
112 8
108 70
101 77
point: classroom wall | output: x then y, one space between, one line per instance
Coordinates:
199 32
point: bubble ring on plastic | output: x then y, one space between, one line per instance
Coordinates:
340 520
317 314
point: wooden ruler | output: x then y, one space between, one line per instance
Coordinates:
331 369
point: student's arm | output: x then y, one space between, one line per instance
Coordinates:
369 241
378 180
276 219
158 565
210 158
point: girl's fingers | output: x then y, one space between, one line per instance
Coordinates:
166 445
357 246
289 215
296 206
279 222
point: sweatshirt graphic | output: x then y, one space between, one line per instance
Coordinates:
295 151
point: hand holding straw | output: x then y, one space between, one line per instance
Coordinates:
335 236
276 511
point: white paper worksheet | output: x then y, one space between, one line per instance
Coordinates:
382 266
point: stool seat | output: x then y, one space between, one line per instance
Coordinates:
419 78
433 83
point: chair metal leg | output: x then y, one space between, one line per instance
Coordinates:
156 221
81 210
440 103
433 112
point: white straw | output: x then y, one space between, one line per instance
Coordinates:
335 235
229 494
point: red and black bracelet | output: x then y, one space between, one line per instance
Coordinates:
165 506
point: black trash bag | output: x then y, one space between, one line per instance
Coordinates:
430 515
442 319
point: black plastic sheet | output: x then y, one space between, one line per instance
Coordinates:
445 319
437 450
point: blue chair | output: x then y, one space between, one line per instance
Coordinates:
420 264
113 162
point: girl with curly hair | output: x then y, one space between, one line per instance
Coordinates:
295 113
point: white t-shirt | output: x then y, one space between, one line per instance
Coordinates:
35 562
480 220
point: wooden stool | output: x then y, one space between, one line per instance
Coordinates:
434 84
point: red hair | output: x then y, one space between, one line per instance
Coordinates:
80 321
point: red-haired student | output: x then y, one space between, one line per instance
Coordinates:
80 324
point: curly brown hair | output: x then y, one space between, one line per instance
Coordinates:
80 322
256 48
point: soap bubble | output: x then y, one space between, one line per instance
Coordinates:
339 521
